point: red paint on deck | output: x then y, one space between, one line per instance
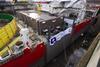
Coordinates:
29 57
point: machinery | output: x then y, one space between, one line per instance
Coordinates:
55 7
11 6
60 28
16 42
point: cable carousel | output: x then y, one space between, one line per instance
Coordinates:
16 47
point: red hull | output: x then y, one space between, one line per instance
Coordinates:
82 25
28 57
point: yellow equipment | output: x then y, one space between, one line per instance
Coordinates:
8 31
2 52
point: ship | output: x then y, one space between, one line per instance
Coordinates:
35 37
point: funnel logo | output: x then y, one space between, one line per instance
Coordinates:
53 40
59 36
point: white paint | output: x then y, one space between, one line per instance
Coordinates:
43 22
7 0
58 36
34 15
69 21
1 58
24 33
48 0
22 0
